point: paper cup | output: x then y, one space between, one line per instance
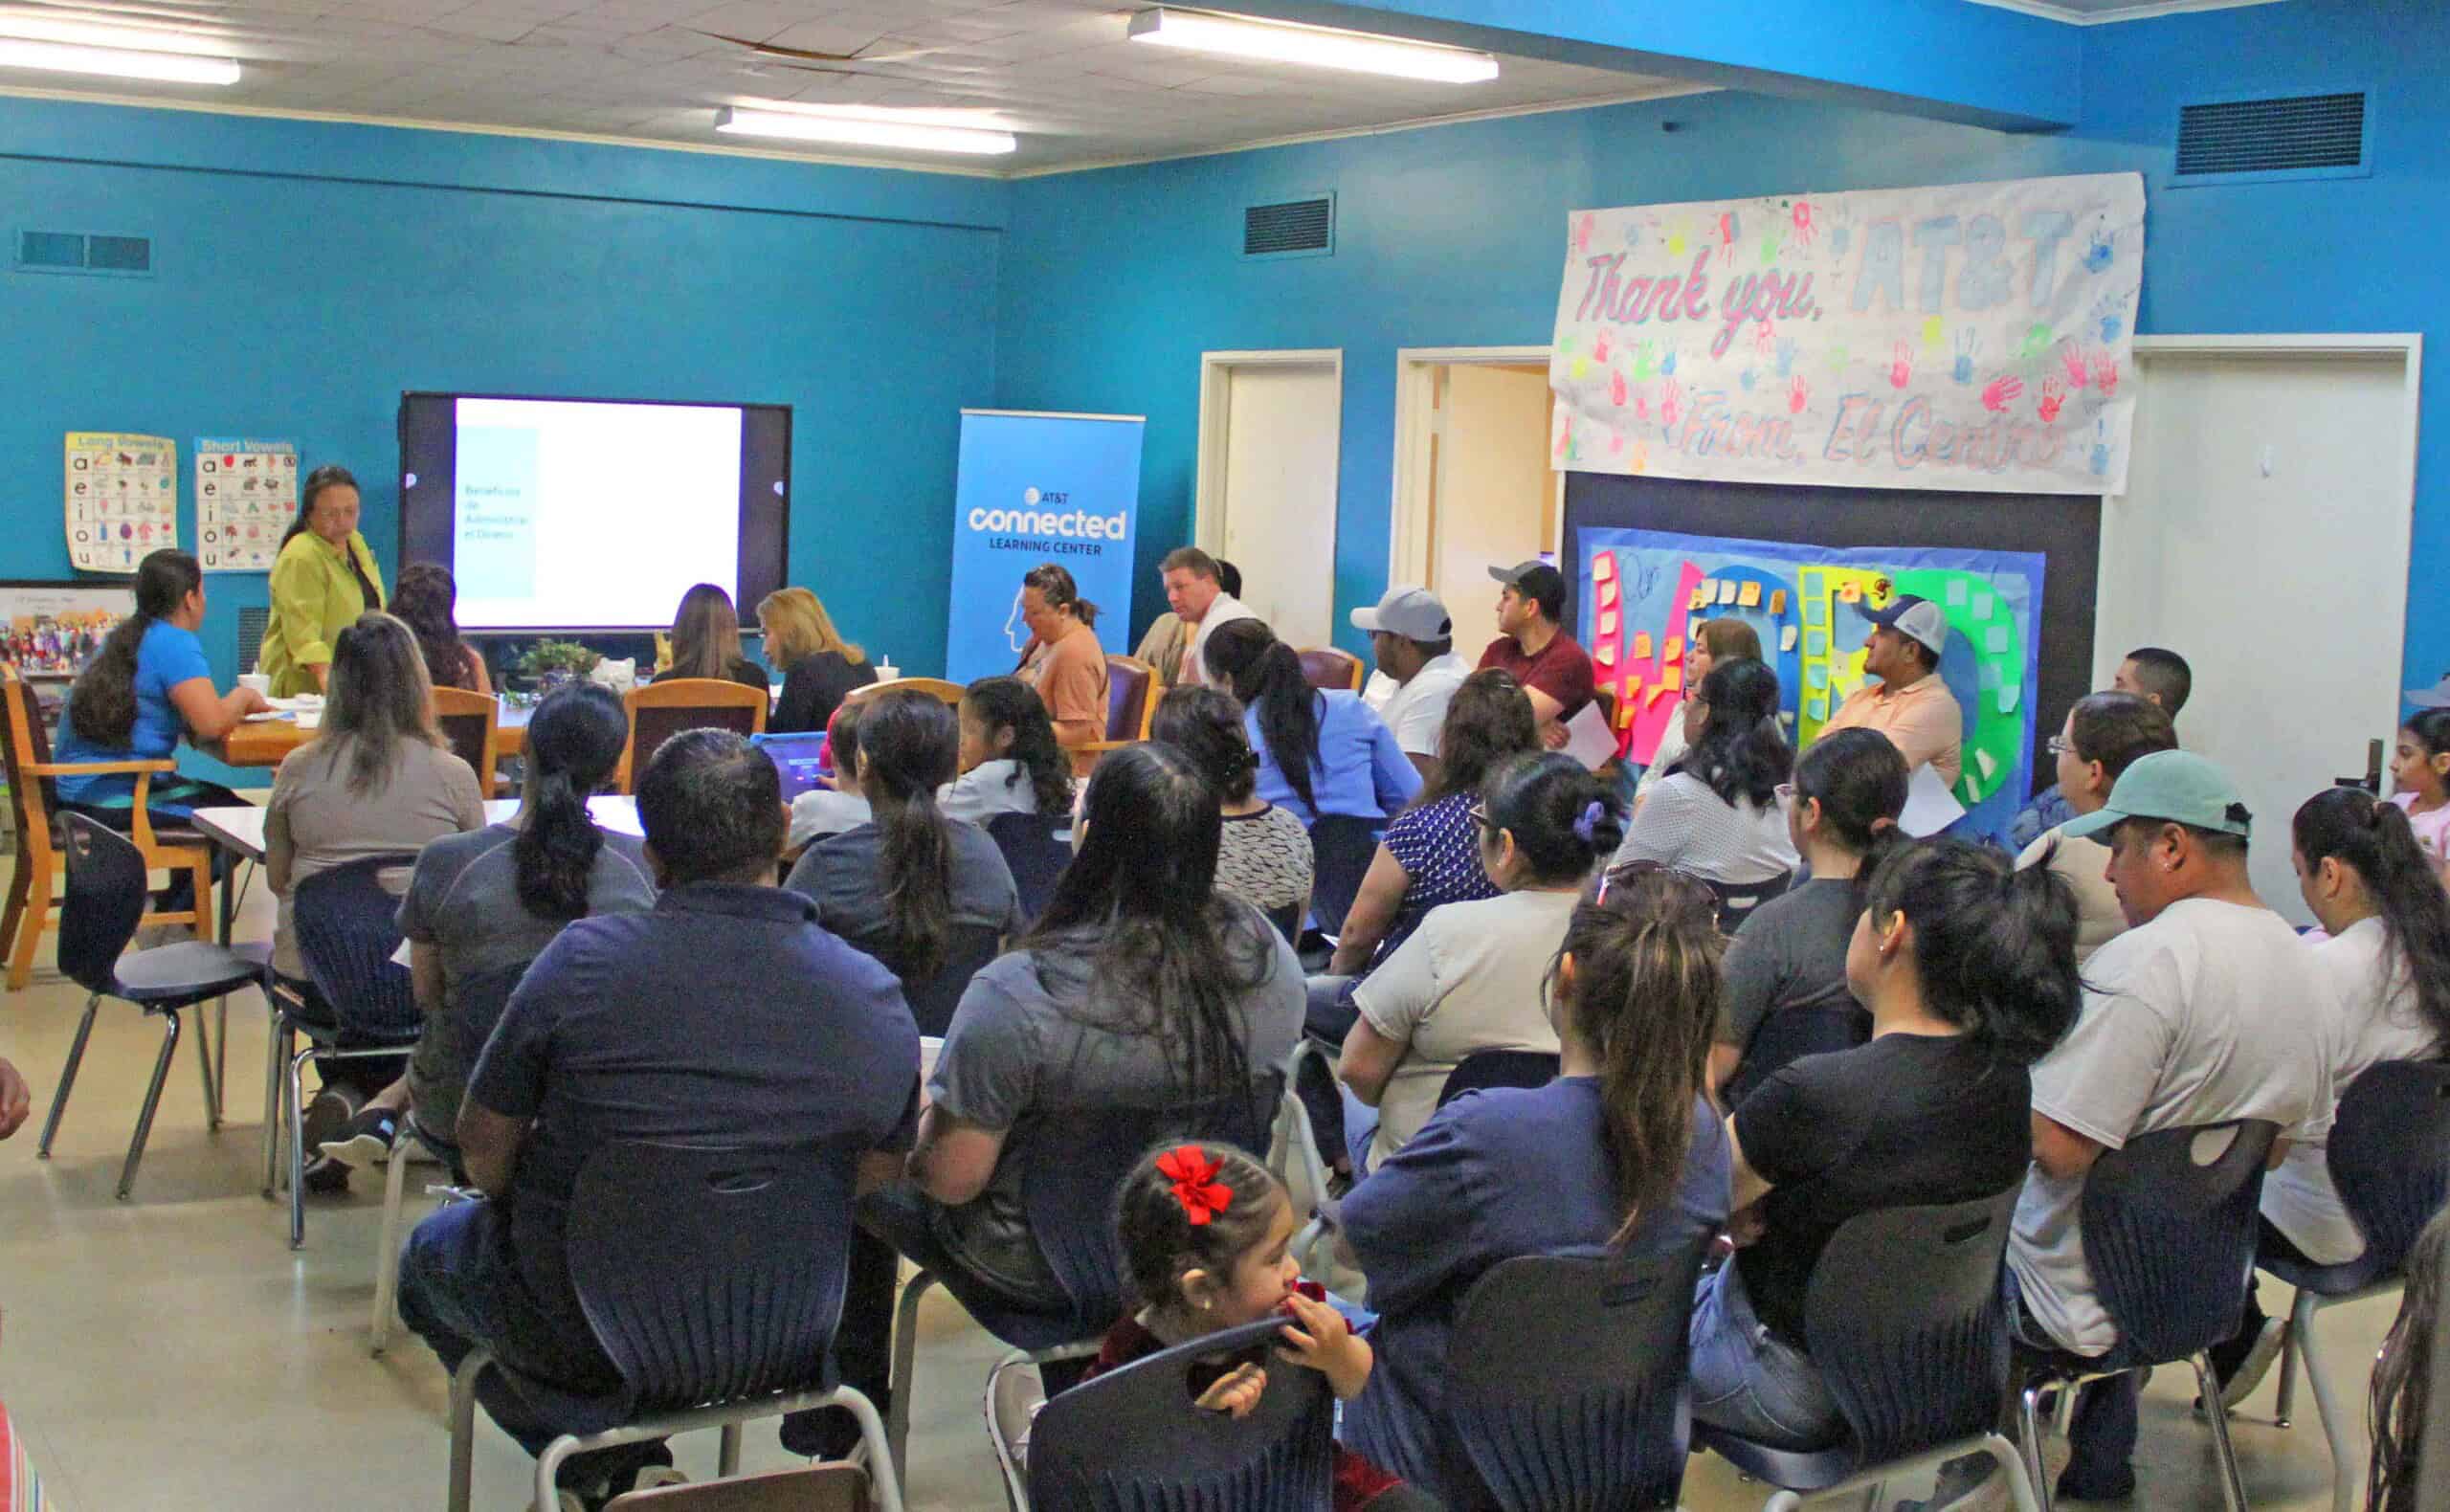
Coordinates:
308 718
259 682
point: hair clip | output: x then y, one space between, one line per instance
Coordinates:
1588 822
1195 1182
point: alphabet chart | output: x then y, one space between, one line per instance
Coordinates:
246 494
122 498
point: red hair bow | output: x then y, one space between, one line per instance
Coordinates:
1195 1185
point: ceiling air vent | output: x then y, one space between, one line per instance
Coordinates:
2249 141
1302 227
76 252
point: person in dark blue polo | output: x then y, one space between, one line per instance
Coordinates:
723 1016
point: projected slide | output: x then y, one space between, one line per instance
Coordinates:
591 514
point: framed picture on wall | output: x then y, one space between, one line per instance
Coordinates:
48 629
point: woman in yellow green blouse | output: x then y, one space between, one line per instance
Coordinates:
325 578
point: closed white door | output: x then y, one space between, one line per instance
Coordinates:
1494 494
2263 537
1280 493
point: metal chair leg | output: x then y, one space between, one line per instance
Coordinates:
884 1486
386 1252
727 1453
905 1364
2011 1461
548 1465
220 1052
67 1077
277 1042
152 1102
2233 1486
2029 1441
2292 1344
298 1146
204 1064
2347 1473
463 1428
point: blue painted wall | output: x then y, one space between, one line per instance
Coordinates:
1115 282
307 274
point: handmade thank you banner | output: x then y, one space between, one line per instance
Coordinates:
1034 488
1972 336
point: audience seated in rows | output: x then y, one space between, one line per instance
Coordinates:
1905 698
1064 660
2105 734
425 599
1009 761
899 885
1726 639
1141 986
493 899
819 669
1263 853
1469 977
377 780
2160 678
723 1017
1969 969
1717 814
1622 1150
840 806
1532 644
1411 640
1787 989
706 641
1321 752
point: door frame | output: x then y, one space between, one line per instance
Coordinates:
1408 525
2408 347
1216 373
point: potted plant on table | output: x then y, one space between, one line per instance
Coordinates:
554 663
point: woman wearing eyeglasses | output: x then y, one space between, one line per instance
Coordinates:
1468 979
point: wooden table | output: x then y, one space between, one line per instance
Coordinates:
264 743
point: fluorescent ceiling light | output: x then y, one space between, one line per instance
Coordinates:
89 33
865 130
116 63
1318 46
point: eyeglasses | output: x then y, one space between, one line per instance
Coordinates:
2061 746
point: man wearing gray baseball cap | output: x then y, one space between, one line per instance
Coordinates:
1907 701
1417 672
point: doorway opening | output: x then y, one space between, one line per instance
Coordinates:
1270 436
1473 487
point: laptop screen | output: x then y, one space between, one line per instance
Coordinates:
798 758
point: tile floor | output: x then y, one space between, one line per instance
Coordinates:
170 1351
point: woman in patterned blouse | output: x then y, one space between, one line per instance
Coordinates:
1264 858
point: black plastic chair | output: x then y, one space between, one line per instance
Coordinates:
1075 1162
1787 1035
1736 904
1484 1069
2389 1155
347 928
1568 1383
2170 1239
1904 1317
713 1280
1131 1440
933 998
106 894
1342 848
1037 857
1287 921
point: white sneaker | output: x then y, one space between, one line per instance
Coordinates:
2256 1365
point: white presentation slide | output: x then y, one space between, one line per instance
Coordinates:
591 514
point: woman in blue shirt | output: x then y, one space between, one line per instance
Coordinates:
1320 752
146 686
1622 1149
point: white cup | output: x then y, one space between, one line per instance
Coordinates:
308 718
259 682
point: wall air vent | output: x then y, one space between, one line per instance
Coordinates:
78 251
2253 140
1302 227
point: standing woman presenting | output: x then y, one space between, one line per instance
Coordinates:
322 581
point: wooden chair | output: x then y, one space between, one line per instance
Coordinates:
25 744
472 721
949 692
668 706
1132 691
1325 667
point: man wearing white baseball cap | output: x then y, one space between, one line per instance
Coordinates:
1417 672
1907 701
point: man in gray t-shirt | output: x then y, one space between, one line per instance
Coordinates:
2199 1014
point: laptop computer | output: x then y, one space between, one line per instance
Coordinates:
799 758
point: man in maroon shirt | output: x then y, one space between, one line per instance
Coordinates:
1533 645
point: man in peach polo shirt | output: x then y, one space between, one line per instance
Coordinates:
1907 703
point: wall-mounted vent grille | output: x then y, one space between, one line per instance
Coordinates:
251 624
76 252
2308 136
1303 228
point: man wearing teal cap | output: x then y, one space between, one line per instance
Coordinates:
2208 1010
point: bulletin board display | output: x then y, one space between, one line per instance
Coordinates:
1645 593
49 629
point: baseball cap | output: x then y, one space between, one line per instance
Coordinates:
1411 612
1915 618
2180 787
1536 579
2436 696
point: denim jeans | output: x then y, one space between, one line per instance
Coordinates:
2100 1437
1749 1381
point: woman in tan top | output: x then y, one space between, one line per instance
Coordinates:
1064 662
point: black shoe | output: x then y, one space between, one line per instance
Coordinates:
2238 1365
325 1176
2117 1486
328 1113
828 1433
365 1140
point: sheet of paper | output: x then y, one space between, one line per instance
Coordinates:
1750 596
1816 705
1641 645
1930 805
1608 593
1604 652
1606 622
1816 612
1702 594
1956 593
1728 589
1777 602
121 498
1674 651
1786 638
1603 567
1588 738
1816 644
246 493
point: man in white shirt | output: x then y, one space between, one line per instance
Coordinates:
2202 1012
1417 672
1195 593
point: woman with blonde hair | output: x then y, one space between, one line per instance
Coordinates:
705 639
819 668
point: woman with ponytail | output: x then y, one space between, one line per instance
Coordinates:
1009 761
896 886
1968 967
1263 857
495 897
1320 752
1786 968
1621 1150
1469 977
1717 814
